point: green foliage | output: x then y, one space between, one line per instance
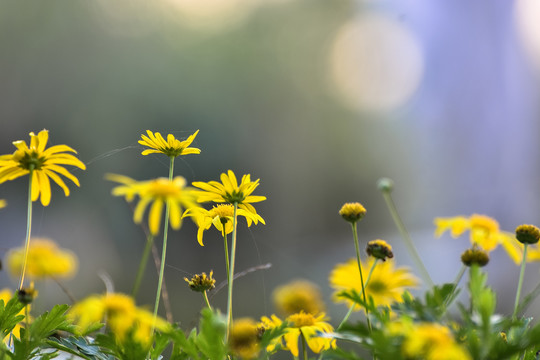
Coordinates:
9 315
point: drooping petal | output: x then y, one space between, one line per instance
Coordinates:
154 217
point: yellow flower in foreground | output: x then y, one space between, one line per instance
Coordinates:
386 284
6 295
484 232
221 216
301 324
172 147
229 191
122 317
45 164
297 296
158 192
244 339
45 259
428 341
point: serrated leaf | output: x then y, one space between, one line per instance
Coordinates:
211 337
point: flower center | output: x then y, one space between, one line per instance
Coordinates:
376 287
29 160
224 211
302 319
164 188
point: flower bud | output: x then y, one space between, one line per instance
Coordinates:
352 212
379 249
475 256
527 234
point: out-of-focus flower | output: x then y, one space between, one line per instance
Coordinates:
172 147
379 249
476 256
386 284
297 296
301 324
201 282
430 341
45 259
45 164
244 339
228 191
352 212
484 232
527 234
3 203
123 318
221 216
157 192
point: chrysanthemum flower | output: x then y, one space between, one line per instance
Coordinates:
297 296
228 191
386 284
244 339
44 163
221 216
6 295
430 341
172 147
484 232
121 314
45 259
158 192
301 324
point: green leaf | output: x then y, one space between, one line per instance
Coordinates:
9 315
211 337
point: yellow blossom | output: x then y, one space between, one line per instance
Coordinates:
157 192
221 217
3 203
386 284
301 324
430 341
172 147
228 191
46 164
352 212
484 232
296 296
244 339
45 259
122 317
201 282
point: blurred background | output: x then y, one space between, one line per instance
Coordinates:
319 99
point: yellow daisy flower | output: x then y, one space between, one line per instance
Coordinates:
45 259
221 216
484 232
386 284
6 295
45 164
229 191
158 192
244 339
301 324
296 296
172 147
430 341
120 314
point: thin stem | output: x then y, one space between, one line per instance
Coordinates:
304 346
405 235
164 251
65 290
231 273
357 247
455 283
28 227
142 265
226 247
520 283
205 295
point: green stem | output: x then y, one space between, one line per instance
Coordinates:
226 247
520 283
142 265
455 283
164 251
28 227
304 346
357 247
231 272
405 235
205 295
